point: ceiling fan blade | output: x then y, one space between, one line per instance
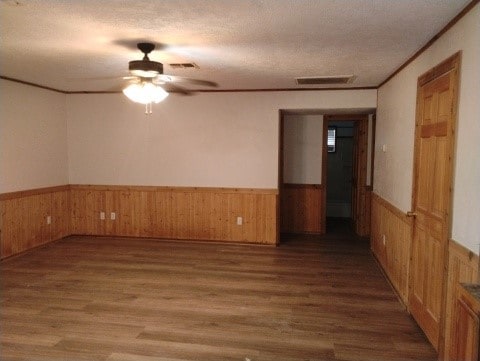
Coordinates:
180 79
173 88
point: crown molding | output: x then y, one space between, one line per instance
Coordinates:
437 36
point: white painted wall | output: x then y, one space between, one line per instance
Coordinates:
210 139
396 121
302 141
33 138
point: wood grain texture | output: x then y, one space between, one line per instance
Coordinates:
361 194
312 298
363 223
394 255
24 219
302 208
394 258
60 212
462 268
466 328
165 212
178 213
435 124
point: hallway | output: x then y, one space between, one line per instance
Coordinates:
311 298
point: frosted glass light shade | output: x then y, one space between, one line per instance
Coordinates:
145 93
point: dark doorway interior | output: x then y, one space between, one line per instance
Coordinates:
340 228
339 177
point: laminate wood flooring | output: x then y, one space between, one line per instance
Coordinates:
112 299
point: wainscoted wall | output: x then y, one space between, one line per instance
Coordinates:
24 217
462 268
394 257
176 212
392 225
163 212
302 208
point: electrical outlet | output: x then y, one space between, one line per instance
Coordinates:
102 215
384 239
49 219
113 216
239 221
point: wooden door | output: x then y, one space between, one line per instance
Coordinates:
431 201
361 202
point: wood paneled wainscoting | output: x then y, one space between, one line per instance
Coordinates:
462 268
391 239
391 233
302 208
176 212
34 217
141 211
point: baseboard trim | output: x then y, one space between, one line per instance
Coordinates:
32 249
35 217
385 274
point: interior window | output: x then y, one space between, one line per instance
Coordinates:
332 134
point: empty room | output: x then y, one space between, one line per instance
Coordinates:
239 180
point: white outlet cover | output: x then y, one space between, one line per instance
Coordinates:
49 219
112 216
239 221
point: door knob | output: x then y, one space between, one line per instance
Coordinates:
411 214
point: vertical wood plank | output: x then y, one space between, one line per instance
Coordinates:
24 221
183 213
60 212
462 268
302 208
391 224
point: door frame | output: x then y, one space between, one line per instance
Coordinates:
283 188
358 118
451 64
361 203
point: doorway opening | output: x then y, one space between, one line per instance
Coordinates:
306 194
359 189
340 147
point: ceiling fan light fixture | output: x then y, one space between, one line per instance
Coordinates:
144 73
145 93
145 68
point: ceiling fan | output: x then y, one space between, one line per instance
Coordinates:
147 80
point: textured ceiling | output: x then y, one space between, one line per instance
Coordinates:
251 44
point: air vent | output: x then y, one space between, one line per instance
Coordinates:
325 80
184 65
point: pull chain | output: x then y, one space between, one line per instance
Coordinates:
148 108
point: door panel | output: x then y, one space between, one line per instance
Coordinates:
436 102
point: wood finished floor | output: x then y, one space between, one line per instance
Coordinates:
87 298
